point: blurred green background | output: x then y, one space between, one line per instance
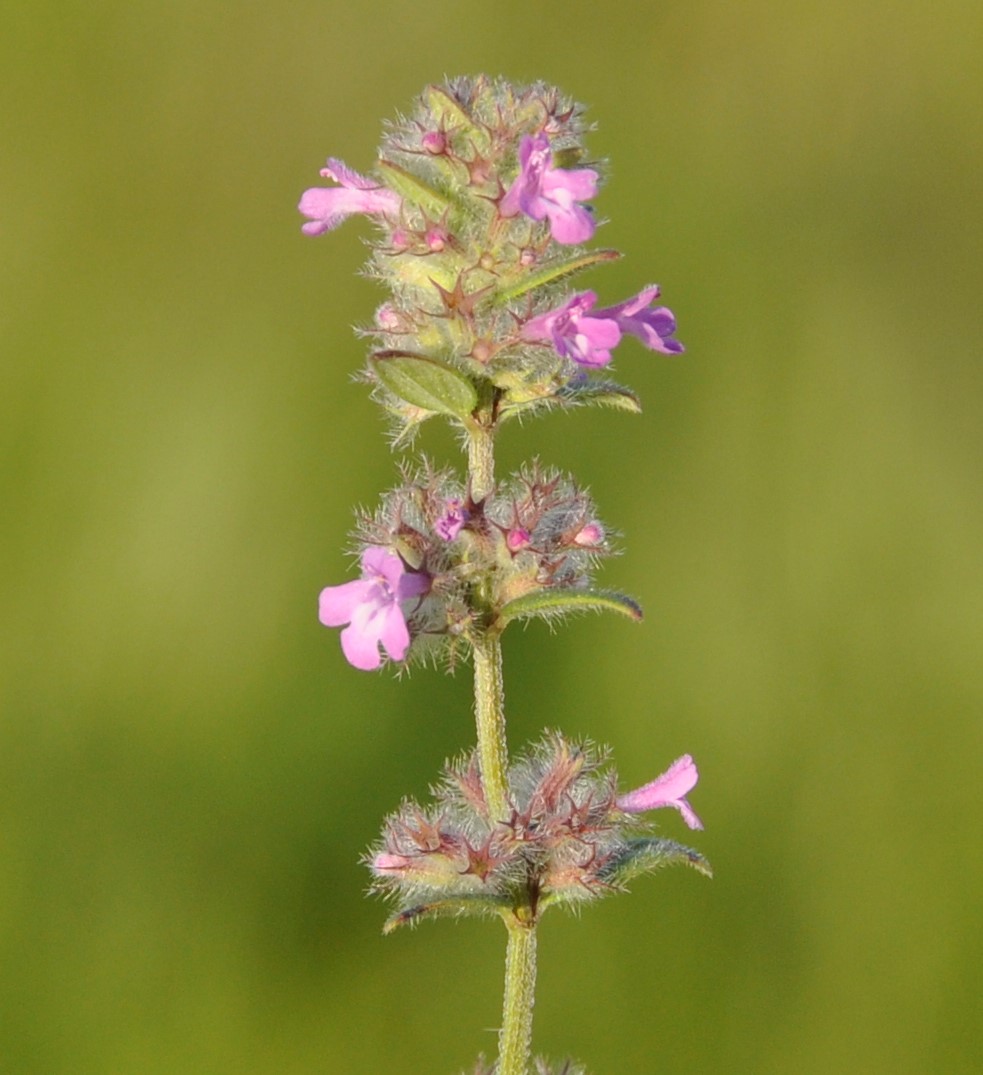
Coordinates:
188 769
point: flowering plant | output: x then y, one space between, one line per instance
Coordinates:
481 201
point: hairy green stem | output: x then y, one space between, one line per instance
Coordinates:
489 709
489 696
515 1037
481 459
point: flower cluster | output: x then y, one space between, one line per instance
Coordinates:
480 215
533 543
566 838
481 197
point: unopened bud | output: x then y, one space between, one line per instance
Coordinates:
518 539
589 536
434 142
436 238
386 318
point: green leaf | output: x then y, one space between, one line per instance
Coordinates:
601 394
648 853
523 400
474 906
553 271
425 382
416 190
549 603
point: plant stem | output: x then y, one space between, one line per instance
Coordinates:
481 459
489 709
515 1037
489 697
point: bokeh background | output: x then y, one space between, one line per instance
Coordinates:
188 769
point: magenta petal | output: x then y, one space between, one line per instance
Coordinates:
678 779
539 329
413 584
570 225
393 633
347 177
688 814
654 326
360 650
600 331
337 604
360 640
580 184
668 789
327 207
379 561
654 329
540 190
631 306
588 340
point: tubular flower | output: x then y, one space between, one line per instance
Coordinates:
540 191
585 339
330 206
669 789
653 326
371 608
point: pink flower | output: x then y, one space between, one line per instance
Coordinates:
329 206
666 790
652 326
540 191
371 608
586 339
450 524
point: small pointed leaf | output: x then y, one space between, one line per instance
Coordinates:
425 382
553 271
522 400
418 191
477 905
646 854
551 603
601 394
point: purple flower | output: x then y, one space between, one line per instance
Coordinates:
450 524
370 607
587 340
652 326
666 790
540 190
329 206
